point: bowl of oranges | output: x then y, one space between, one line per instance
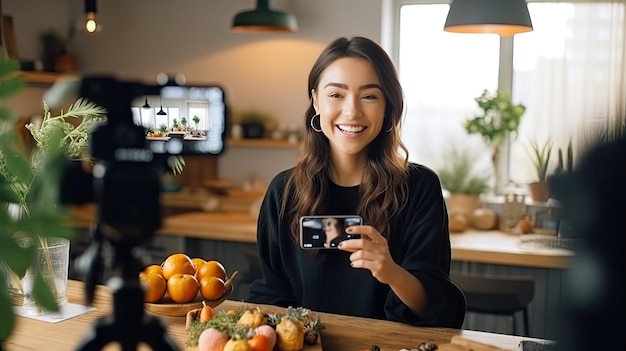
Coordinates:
181 283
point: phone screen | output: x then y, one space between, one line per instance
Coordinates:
326 232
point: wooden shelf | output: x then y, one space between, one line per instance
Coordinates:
40 77
265 143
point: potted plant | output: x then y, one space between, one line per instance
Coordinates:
465 183
252 124
196 121
56 56
499 119
540 157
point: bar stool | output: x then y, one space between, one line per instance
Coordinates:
497 295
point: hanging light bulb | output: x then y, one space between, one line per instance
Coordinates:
90 16
146 105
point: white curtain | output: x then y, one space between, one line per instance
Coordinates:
570 72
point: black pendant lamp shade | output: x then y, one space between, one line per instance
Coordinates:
161 112
146 105
264 20
503 17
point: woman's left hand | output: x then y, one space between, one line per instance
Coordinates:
370 252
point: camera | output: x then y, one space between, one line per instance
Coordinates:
326 231
125 183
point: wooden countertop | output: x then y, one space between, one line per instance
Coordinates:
491 247
341 333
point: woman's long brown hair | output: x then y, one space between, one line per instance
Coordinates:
383 189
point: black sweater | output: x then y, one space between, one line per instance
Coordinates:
325 282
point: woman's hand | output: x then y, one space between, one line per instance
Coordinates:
371 252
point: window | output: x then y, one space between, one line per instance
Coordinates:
569 72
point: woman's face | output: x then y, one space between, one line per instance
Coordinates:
330 228
351 105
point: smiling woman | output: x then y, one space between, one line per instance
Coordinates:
352 162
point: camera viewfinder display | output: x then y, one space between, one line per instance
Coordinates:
326 232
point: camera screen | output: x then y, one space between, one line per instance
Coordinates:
183 119
318 232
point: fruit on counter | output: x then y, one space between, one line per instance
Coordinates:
457 223
182 288
252 318
290 334
154 268
154 285
197 261
268 332
237 345
206 313
178 263
260 342
262 338
212 288
483 218
211 269
184 278
212 339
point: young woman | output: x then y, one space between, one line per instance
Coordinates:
353 162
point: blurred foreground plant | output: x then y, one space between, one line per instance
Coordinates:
30 189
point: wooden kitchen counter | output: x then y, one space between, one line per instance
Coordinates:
341 333
492 247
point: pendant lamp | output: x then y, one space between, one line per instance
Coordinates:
264 20
146 105
161 112
91 24
503 17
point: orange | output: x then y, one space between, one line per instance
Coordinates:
211 269
154 286
153 268
178 263
212 288
182 287
197 262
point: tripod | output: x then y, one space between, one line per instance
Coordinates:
128 324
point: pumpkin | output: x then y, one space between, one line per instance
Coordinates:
457 223
483 218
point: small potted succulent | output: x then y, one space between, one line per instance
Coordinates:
540 157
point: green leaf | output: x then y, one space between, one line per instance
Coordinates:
43 294
11 87
7 194
19 166
18 258
7 322
8 67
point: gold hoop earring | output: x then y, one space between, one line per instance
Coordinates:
390 126
319 130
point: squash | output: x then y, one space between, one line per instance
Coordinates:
212 339
483 218
457 223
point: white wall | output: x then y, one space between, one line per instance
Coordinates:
266 72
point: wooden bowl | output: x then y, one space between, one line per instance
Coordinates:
166 307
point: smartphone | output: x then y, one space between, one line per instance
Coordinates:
326 231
